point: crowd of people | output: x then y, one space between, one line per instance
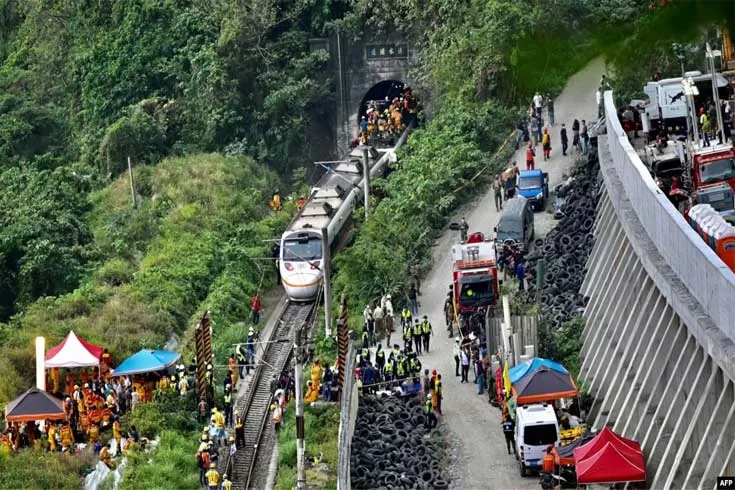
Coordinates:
387 118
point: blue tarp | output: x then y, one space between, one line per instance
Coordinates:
146 361
518 372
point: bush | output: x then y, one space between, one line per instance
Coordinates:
114 272
44 470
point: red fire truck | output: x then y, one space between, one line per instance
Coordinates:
713 164
475 281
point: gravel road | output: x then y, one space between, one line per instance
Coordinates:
473 425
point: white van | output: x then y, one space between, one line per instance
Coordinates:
536 429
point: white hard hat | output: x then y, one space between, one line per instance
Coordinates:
209 366
456 339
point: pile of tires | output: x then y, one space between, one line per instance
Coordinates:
566 248
392 450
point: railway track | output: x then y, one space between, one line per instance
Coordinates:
255 406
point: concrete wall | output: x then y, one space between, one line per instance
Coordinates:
658 350
348 407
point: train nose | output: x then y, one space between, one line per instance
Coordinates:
302 285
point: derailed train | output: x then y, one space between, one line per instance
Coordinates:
330 206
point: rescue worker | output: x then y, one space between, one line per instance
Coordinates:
427 331
94 433
546 144
67 437
380 358
232 366
250 350
429 415
388 371
219 421
239 430
163 383
106 458
212 477
415 364
228 405
300 203
51 432
117 433
396 351
418 334
437 394
463 229
406 316
183 386
509 432
275 203
365 356
277 416
400 369
226 484
241 357
407 334
547 465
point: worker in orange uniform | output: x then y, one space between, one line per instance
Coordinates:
547 466
55 380
67 437
300 203
232 365
94 433
117 433
69 383
106 458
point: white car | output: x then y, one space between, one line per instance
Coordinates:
536 429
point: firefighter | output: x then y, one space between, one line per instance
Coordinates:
275 203
417 335
51 432
427 332
241 357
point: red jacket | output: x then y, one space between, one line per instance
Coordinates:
255 305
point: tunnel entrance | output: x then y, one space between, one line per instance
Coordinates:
381 94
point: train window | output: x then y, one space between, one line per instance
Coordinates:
302 249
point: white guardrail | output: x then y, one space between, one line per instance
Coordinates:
706 277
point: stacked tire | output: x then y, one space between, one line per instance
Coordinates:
566 248
392 450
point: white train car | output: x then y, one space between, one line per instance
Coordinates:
330 206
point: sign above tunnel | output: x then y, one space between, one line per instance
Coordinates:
387 51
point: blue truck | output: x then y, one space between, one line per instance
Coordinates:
534 186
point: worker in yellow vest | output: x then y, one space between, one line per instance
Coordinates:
116 433
226 484
212 477
51 431
67 437
94 433
106 458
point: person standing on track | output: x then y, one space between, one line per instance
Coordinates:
239 430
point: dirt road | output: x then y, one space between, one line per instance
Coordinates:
481 460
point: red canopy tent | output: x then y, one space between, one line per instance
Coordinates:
609 465
609 458
73 352
631 449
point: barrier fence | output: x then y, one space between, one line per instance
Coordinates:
348 414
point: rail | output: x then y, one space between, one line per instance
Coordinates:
254 407
695 265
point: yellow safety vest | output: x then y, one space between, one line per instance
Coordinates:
427 327
212 477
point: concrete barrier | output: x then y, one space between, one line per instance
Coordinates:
348 415
706 277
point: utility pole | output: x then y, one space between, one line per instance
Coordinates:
715 94
300 448
326 274
366 176
132 184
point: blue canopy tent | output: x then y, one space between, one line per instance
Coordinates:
146 361
525 368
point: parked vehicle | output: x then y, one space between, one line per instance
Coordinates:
534 186
516 223
536 429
